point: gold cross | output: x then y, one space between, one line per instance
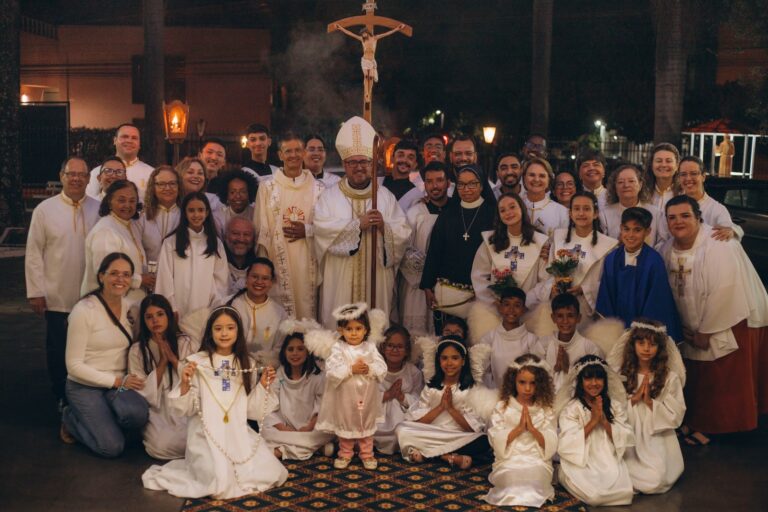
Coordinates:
680 274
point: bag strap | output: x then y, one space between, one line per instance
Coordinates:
114 318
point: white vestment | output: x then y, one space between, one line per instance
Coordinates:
165 434
716 215
413 306
138 172
197 281
522 469
593 469
351 405
546 215
587 274
112 234
343 250
224 458
294 402
261 323
154 231
610 220
54 262
506 346
659 199
443 435
656 462
576 348
278 202
224 214
523 261
385 439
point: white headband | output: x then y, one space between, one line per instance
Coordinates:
662 329
350 311
530 362
580 366
453 342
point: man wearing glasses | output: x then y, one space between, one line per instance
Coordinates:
110 170
535 146
314 160
55 261
127 142
343 223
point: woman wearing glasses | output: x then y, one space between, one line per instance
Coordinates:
161 209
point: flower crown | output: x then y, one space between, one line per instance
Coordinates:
580 366
662 329
530 362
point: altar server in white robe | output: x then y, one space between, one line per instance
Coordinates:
261 314
155 358
660 181
192 272
224 457
594 434
315 155
415 315
294 402
655 375
567 345
401 386
691 177
343 229
511 250
444 422
625 190
283 219
584 242
117 231
161 212
545 214
237 192
523 435
54 261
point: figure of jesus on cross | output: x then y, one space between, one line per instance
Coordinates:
369 40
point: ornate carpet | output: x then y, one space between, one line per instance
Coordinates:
314 485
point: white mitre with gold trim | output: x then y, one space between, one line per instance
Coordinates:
355 138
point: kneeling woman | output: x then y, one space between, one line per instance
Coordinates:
103 398
442 423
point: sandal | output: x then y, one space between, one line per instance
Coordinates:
696 439
65 436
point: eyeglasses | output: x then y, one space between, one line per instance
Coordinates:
566 184
116 273
112 172
357 163
166 184
694 174
74 175
394 348
472 185
315 150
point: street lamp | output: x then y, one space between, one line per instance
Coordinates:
489 132
176 118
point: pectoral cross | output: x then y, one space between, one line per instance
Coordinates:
576 251
465 236
224 373
680 274
368 38
514 252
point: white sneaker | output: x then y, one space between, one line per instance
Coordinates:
328 449
341 463
371 463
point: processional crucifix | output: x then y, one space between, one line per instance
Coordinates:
369 38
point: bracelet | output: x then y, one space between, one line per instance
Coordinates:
122 384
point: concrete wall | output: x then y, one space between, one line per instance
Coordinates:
227 79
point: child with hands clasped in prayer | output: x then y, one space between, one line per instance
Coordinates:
649 360
594 434
224 457
442 423
523 435
351 405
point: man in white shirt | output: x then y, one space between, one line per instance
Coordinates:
127 145
55 261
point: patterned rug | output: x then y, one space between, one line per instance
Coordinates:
314 485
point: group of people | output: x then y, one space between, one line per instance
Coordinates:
241 297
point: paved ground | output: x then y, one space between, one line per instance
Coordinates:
40 473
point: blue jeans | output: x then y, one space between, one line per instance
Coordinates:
96 416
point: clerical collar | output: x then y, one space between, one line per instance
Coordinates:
433 208
473 204
597 191
354 193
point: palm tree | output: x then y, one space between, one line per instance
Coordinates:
671 63
154 81
541 60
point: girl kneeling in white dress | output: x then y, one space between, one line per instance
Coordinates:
155 358
295 398
523 435
443 422
401 386
224 457
655 375
594 434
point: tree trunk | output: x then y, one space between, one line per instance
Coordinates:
540 66
670 71
11 204
154 83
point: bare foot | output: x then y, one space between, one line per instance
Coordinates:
415 455
278 453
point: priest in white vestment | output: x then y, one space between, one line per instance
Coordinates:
283 220
343 221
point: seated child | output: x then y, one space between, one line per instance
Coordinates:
401 386
568 345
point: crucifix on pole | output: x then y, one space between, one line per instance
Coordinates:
369 38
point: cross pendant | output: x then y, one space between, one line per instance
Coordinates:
465 236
